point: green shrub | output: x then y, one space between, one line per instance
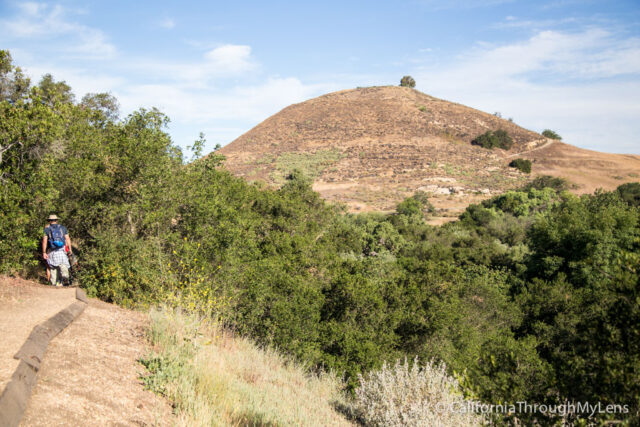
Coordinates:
418 204
407 81
491 139
548 181
630 193
523 165
548 133
582 281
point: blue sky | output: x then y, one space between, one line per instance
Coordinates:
221 68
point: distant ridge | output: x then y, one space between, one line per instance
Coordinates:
371 147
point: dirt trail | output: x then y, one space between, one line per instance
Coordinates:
90 373
22 306
540 147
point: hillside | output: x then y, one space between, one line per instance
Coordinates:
371 147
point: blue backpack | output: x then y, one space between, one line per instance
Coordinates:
56 236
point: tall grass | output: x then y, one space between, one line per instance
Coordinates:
216 379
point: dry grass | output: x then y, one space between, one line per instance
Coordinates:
215 379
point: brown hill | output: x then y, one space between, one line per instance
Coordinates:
371 147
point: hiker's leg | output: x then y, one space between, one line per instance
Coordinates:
53 275
64 274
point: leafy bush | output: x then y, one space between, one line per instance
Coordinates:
418 204
522 165
547 181
407 81
497 139
548 133
415 395
630 193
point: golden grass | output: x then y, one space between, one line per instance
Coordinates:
216 379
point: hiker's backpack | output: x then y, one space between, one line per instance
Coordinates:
56 236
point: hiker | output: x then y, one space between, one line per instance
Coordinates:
54 243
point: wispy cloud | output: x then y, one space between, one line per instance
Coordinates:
567 81
38 20
230 58
225 61
513 22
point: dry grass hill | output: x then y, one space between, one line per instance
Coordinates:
369 148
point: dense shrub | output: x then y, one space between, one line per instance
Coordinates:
583 280
548 133
523 165
630 193
547 181
407 81
418 204
491 139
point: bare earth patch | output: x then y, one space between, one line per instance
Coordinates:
90 373
23 305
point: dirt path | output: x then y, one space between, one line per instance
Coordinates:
23 305
90 373
540 147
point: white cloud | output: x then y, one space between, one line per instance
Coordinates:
81 80
514 22
584 85
230 58
41 21
227 61
250 103
214 110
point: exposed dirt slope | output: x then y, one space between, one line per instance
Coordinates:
371 147
587 169
89 375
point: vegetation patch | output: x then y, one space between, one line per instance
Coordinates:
310 165
548 133
630 193
216 379
547 181
407 81
523 165
412 395
267 159
491 139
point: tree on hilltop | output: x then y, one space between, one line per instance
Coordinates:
407 81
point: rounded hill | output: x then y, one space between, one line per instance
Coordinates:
371 147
